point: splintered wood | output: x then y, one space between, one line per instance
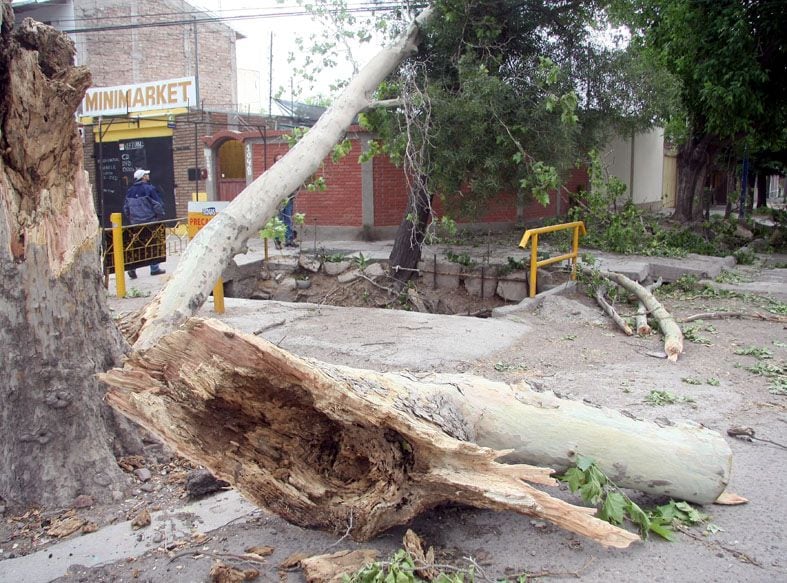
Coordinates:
323 446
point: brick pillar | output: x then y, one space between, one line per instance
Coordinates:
367 189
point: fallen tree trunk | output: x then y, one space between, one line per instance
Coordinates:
321 445
328 446
225 236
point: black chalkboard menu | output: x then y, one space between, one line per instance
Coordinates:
115 166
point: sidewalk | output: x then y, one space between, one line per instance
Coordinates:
768 281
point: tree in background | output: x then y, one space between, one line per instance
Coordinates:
502 98
730 59
505 98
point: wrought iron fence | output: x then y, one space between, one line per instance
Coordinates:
143 244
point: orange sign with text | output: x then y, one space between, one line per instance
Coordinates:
200 213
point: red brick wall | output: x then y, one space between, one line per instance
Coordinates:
390 193
337 206
340 205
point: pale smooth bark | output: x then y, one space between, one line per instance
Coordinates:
673 335
225 236
249 410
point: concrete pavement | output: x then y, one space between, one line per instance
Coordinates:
371 338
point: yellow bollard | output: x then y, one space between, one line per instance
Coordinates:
218 297
533 264
117 253
575 251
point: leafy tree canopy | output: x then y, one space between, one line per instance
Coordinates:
730 59
509 95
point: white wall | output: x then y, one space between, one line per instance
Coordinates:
60 16
249 91
639 162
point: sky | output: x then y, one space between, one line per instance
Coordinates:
253 52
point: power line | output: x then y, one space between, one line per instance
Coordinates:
219 19
367 5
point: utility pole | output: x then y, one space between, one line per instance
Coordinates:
196 62
270 79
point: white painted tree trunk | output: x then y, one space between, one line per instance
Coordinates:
225 236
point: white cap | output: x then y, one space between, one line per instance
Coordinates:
139 173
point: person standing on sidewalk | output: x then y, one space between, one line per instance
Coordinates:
143 205
285 216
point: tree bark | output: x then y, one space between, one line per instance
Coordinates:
673 335
55 327
762 190
406 251
693 161
324 446
225 236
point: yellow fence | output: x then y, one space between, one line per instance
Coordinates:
532 235
134 246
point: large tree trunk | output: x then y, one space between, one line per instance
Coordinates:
693 162
55 328
762 189
318 443
325 446
406 251
225 236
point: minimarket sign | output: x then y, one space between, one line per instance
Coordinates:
168 94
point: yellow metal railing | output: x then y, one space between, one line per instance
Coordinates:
135 246
532 235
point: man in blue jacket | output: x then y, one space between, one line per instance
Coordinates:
143 205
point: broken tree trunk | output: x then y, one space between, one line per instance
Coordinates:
319 443
224 237
56 331
323 446
673 335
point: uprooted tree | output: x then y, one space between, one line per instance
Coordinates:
386 446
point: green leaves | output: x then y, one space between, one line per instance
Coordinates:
614 508
595 488
400 568
340 150
274 229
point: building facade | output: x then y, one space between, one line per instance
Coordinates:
164 74
165 98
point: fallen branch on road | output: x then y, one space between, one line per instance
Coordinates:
673 336
731 315
611 312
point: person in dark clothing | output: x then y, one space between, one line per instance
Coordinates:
285 216
143 204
